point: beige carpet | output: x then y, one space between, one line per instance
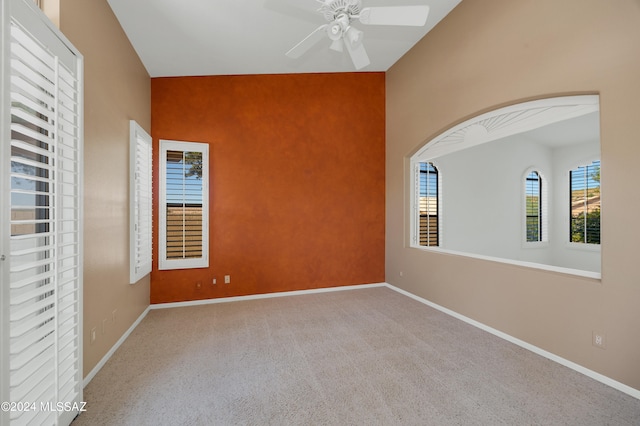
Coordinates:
357 357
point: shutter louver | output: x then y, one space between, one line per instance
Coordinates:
44 262
68 234
32 262
141 213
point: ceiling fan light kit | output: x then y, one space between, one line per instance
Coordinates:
341 13
337 45
354 36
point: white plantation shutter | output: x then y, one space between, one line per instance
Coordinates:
42 268
184 205
428 204
140 202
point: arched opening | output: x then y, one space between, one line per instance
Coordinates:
482 201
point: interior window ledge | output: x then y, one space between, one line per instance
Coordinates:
551 268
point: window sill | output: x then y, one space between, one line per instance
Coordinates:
182 264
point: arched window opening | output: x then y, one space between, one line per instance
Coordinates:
533 207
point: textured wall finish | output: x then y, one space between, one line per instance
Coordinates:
498 52
296 180
117 89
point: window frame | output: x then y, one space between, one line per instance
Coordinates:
544 210
415 203
200 262
140 203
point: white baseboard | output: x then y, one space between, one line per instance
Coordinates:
115 347
570 364
263 296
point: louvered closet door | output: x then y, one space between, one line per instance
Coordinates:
45 251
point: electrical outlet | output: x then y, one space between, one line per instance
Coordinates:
598 340
213 281
227 279
92 335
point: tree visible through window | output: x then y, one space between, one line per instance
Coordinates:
428 204
584 185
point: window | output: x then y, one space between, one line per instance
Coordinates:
534 208
428 204
184 205
584 187
139 203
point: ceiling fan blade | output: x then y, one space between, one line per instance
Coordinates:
307 43
337 45
414 16
304 11
358 55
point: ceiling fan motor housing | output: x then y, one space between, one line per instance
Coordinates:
332 9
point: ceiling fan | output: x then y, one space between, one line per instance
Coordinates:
341 13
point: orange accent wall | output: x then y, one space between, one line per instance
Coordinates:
297 170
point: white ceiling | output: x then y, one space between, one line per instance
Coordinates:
230 37
568 132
